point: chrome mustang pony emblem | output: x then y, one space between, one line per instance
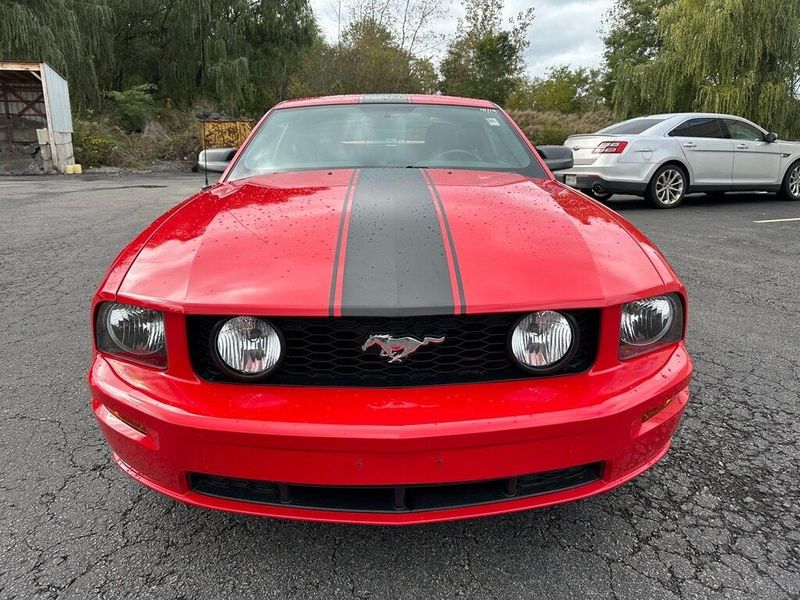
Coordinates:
397 349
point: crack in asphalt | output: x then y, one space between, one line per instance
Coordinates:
719 517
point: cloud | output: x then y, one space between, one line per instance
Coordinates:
563 32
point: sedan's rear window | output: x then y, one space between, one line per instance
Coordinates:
386 135
632 127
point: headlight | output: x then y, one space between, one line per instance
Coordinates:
133 332
650 323
543 340
248 346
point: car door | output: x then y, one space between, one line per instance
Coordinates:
707 151
755 161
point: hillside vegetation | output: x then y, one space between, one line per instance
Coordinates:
139 69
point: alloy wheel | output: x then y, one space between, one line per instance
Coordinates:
794 182
669 186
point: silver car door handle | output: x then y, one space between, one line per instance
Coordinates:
742 146
690 145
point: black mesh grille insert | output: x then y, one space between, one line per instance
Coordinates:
327 351
413 498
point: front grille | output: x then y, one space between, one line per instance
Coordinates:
383 499
327 351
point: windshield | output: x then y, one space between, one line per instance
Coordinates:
385 135
632 127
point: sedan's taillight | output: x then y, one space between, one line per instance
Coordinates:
610 148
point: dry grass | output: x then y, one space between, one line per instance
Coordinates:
174 135
554 128
98 142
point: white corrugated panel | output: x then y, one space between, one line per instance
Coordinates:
58 94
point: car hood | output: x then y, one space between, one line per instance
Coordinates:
391 242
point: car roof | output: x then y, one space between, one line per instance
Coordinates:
667 121
387 99
693 115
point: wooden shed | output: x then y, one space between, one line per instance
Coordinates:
35 119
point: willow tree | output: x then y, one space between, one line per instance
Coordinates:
71 35
238 55
731 56
631 37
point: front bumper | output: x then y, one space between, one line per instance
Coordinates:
168 433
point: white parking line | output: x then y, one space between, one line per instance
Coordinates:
779 220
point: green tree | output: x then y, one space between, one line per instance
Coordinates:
631 37
68 34
562 90
408 21
367 60
721 56
252 47
134 107
485 60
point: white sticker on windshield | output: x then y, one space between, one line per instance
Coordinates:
493 122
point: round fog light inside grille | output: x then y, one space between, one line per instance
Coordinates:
542 340
248 346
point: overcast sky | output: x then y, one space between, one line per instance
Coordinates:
563 32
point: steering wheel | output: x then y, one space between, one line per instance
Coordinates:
466 153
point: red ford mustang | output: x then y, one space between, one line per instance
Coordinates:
388 311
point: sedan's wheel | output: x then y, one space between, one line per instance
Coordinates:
791 183
667 187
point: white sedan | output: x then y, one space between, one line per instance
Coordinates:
664 157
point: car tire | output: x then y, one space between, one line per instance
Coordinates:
790 189
600 197
667 188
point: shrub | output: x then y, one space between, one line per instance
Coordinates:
134 107
553 128
98 141
92 143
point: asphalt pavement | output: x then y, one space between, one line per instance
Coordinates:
719 517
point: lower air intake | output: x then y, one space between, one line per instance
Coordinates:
393 499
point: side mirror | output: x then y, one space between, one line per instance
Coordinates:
215 160
771 138
557 158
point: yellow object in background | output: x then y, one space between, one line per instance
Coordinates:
228 133
77 169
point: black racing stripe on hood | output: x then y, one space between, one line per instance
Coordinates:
449 233
395 262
